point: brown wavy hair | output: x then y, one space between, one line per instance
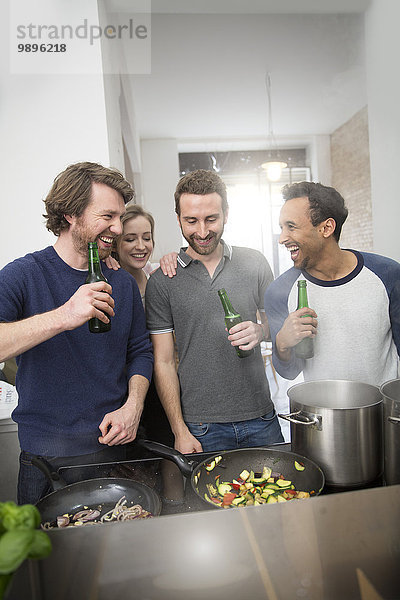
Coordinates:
72 189
201 182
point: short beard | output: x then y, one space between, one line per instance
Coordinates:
304 264
80 239
200 249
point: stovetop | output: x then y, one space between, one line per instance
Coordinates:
148 470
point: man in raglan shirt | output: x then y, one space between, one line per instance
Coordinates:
354 297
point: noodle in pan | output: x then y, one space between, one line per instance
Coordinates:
120 512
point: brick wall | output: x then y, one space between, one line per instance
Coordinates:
351 177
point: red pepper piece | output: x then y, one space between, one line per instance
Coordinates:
228 497
216 501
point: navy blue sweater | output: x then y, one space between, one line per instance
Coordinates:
68 383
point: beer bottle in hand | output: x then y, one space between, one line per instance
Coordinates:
305 348
232 318
95 274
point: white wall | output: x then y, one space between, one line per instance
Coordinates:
383 50
160 174
208 75
46 123
319 156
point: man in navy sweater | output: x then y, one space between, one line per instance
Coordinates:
81 395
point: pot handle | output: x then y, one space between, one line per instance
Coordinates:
185 466
394 420
55 480
316 421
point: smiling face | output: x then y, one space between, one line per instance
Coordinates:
135 245
298 235
100 221
202 222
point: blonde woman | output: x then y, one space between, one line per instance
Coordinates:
136 244
134 248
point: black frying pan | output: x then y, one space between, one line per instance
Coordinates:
233 462
104 492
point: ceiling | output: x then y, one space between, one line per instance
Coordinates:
241 7
208 70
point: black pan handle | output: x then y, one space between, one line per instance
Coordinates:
55 480
185 466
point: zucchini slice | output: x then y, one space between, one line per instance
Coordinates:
238 501
267 492
272 486
224 488
244 475
267 472
283 483
272 499
298 466
259 480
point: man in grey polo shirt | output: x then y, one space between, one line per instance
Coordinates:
216 400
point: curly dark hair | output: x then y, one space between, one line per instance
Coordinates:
201 182
71 192
325 202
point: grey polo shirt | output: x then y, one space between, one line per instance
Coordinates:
216 385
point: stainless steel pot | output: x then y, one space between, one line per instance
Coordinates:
391 430
338 425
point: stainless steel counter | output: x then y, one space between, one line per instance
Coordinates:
334 547
9 460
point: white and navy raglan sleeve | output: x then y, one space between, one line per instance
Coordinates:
277 310
388 271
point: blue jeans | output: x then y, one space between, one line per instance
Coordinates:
262 431
34 485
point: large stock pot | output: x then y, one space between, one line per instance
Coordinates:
338 424
391 429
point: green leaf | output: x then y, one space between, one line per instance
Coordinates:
26 516
14 548
41 545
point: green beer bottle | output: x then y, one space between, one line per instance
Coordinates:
305 348
232 318
95 274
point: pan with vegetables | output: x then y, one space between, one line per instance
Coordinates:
248 476
92 496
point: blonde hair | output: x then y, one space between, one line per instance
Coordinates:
136 210
132 212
